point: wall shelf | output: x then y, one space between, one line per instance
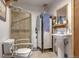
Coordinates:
59 26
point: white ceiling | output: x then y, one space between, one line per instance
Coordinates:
37 2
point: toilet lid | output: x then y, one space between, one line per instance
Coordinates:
23 51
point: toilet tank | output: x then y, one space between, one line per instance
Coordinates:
7 46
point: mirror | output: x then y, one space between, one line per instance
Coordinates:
62 16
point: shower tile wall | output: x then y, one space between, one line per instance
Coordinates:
21 26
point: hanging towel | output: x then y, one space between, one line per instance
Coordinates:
46 22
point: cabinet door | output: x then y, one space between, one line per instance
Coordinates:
76 28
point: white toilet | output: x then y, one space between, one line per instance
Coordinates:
23 53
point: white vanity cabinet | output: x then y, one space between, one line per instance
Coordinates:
62 45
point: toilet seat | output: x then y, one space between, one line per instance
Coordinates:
23 52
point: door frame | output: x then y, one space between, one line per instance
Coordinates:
72 24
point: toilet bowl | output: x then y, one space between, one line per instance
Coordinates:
23 53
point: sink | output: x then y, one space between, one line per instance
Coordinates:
58 35
60 42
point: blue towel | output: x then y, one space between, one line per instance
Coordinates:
46 22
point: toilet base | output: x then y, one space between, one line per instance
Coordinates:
24 55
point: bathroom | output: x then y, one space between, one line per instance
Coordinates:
33 9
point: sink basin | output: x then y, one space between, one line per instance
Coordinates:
58 35
60 42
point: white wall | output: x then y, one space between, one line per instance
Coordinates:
57 6
34 13
34 17
4 29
